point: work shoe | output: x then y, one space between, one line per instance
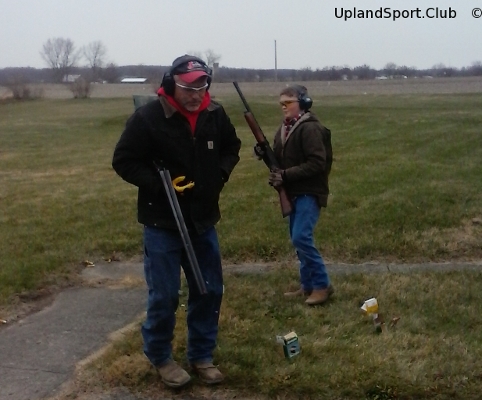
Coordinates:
319 296
208 373
173 375
298 293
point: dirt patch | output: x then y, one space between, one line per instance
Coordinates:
25 304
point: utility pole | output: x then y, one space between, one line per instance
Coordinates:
275 63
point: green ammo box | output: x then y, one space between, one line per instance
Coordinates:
142 99
291 346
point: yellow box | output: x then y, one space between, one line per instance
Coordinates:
370 306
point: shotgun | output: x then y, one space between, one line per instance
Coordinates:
181 225
269 157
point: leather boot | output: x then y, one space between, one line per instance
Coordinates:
319 296
298 293
207 372
173 375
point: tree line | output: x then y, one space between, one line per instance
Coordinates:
63 60
112 73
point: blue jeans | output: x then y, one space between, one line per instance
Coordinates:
313 274
163 257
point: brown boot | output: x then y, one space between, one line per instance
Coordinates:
173 375
298 293
319 296
208 373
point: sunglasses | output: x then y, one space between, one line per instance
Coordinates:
192 89
287 103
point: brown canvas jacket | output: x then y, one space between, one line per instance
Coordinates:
305 158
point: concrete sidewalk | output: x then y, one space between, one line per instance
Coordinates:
39 353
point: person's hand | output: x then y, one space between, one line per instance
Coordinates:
258 151
276 177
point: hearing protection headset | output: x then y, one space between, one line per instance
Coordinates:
168 79
305 101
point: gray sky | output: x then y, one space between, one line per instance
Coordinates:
243 32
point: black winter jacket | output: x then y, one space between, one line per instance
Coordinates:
158 132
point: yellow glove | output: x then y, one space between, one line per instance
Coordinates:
180 189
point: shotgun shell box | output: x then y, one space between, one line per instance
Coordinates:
291 346
370 306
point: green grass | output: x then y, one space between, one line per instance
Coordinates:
405 182
405 187
433 352
61 201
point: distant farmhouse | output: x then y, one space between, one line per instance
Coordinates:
383 77
70 78
133 80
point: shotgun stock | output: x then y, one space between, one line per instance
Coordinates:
269 157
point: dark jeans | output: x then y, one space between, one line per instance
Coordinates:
313 274
163 256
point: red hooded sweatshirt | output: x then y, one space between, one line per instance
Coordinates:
191 116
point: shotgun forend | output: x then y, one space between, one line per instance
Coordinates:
269 157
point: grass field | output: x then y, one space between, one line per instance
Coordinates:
433 352
317 88
405 187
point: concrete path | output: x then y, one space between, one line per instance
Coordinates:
39 353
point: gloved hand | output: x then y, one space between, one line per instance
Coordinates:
276 177
258 151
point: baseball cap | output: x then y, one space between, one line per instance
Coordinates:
189 68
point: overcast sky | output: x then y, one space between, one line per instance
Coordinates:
308 33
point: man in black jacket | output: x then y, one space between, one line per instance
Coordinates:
191 136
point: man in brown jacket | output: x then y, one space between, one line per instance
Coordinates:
302 146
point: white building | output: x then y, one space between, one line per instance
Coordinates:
133 80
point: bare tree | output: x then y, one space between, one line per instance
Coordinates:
197 54
111 73
407 71
476 68
211 57
95 53
305 73
390 69
81 88
364 72
440 66
60 55
21 90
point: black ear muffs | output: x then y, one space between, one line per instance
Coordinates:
305 101
168 79
168 83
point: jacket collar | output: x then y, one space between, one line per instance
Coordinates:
303 118
170 110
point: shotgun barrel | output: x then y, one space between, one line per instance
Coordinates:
268 157
181 225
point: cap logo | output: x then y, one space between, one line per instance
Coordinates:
194 65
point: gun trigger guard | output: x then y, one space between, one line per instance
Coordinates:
180 189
